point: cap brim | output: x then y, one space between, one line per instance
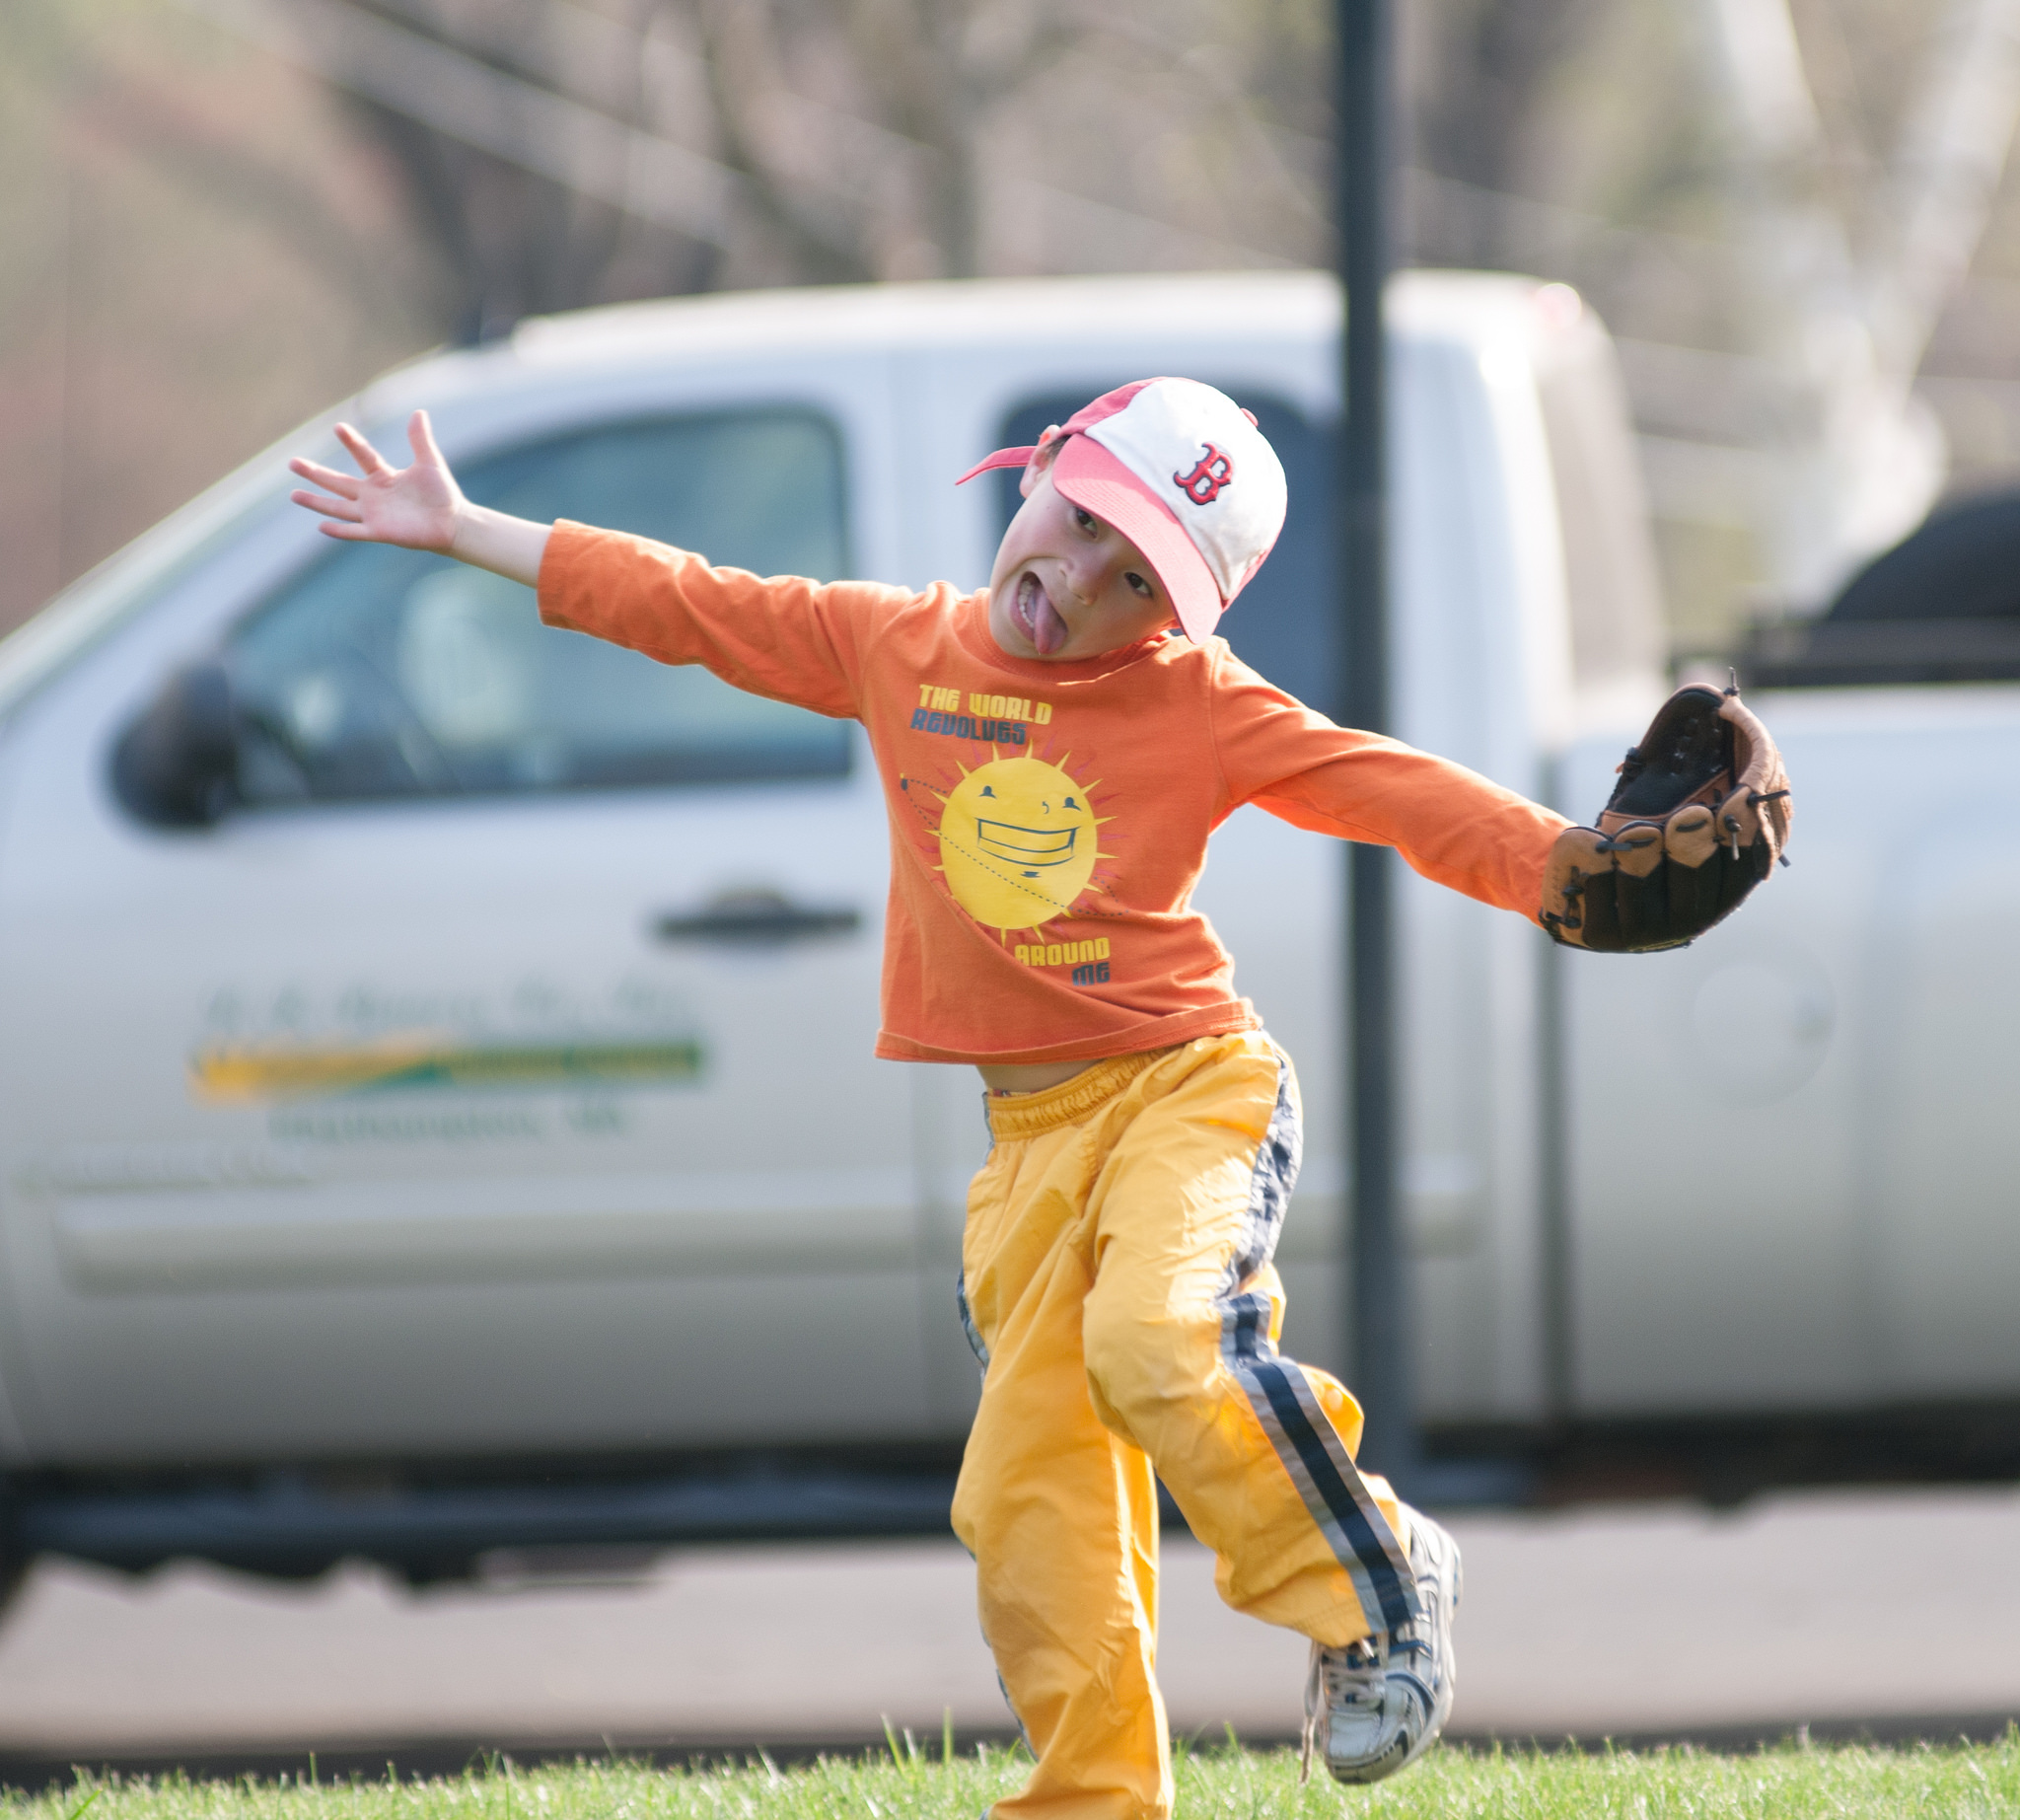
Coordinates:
1003 458
1098 482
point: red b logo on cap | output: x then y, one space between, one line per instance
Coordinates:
1210 474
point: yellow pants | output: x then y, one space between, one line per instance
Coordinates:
1117 1288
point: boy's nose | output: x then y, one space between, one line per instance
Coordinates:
1084 575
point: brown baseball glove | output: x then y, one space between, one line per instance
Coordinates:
1699 818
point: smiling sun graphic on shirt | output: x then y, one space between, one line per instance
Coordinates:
1018 841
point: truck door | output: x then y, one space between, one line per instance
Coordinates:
497 1076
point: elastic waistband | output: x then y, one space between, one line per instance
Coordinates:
1031 1115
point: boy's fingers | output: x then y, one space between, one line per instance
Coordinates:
328 478
345 509
367 457
420 435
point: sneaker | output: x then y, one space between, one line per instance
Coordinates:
1381 1702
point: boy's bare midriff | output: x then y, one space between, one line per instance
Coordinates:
1031 1076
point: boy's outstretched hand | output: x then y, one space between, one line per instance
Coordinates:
417 507
414 507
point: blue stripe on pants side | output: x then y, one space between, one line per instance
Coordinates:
968 1326
1282 1396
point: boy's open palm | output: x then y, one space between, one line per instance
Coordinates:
416 507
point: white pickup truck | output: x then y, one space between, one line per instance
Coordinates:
436 1108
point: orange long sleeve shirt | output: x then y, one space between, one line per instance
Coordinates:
1049 819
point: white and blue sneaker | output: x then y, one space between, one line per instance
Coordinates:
1376 1705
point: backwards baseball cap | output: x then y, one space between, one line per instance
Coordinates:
1183 472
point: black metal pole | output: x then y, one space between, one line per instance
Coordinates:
1378 1312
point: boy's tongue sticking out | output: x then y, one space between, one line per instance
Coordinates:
1036 617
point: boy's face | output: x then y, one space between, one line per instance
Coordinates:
1065 584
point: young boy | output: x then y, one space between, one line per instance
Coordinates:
1117 1275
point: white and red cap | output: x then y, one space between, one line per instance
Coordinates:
1183 472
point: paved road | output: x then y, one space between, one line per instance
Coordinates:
1900 1612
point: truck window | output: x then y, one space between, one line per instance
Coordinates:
386 673
1284 622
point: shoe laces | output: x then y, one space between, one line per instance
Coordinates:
1355 1674
1336 1677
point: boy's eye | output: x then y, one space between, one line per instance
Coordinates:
1142 586
1084 518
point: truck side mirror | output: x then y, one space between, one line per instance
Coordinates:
177 765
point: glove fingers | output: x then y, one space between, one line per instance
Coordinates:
1641 907
1690 875
1603 907
1759 799
1696 894
1602 932
1576 858
1692 836
1637 848
1738 877
1626 904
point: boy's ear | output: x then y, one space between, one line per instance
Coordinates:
1040 458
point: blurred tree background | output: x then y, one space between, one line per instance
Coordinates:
220 215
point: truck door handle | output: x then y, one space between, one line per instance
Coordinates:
758 919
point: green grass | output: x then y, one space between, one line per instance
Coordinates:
1687 1785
